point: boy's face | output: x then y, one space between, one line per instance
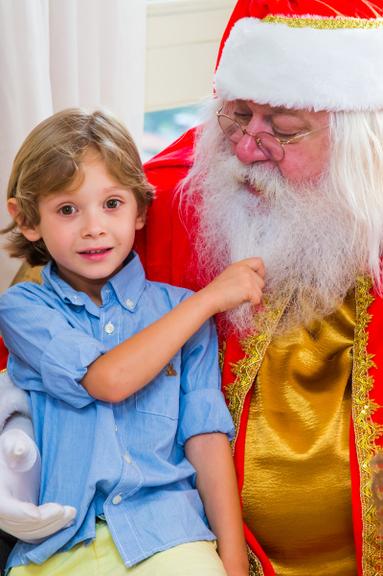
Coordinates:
90 231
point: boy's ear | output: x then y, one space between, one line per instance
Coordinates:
140 220
31 233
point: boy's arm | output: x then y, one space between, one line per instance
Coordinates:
135 362
210 454
76 367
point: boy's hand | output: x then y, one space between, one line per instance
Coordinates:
240 282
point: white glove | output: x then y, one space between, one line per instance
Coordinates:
19 485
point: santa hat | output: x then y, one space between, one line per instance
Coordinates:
319 54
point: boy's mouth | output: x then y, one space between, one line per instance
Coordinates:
95 254
95 251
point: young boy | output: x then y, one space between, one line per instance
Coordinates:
122 373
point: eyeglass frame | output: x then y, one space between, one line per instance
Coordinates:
257 138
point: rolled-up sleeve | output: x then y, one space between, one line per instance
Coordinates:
202 405
47 354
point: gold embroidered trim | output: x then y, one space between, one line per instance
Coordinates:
366 431
335 23
221 355
255 567
247 368
245 372
28 273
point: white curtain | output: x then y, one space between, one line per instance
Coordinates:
60 53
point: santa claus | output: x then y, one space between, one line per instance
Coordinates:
288 166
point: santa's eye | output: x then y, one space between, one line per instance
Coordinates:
242 118
285 135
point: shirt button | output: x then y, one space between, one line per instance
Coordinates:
109 328
116 499
129 303
127 458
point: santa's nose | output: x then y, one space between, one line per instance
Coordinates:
248 151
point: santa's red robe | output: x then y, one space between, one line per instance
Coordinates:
165 247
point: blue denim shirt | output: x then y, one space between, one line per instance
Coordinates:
124 460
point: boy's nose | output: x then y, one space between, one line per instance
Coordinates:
93 227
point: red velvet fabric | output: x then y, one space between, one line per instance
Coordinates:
375 349
3 355
164 244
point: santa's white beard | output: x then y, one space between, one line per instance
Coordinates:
312 247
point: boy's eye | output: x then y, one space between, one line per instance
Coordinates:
67 210
112 203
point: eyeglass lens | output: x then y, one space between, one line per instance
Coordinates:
266 142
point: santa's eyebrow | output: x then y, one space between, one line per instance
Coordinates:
271 111
287 112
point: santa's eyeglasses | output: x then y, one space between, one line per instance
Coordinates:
269 144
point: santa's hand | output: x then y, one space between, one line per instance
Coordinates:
19 488
18 451
32 523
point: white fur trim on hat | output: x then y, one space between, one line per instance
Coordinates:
302 67
12 399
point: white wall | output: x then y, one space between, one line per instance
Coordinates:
182 44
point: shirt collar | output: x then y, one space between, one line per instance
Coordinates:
128 285
62 288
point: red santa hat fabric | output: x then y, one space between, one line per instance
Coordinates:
324 55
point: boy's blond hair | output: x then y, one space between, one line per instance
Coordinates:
49 161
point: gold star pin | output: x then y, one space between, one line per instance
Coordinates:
169 370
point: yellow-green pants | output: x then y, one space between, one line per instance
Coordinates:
101 558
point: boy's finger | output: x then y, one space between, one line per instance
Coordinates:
255 264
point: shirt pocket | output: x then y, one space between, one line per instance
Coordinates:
161 397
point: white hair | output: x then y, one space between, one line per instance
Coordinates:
315 238
356 173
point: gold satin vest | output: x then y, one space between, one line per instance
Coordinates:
297 488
